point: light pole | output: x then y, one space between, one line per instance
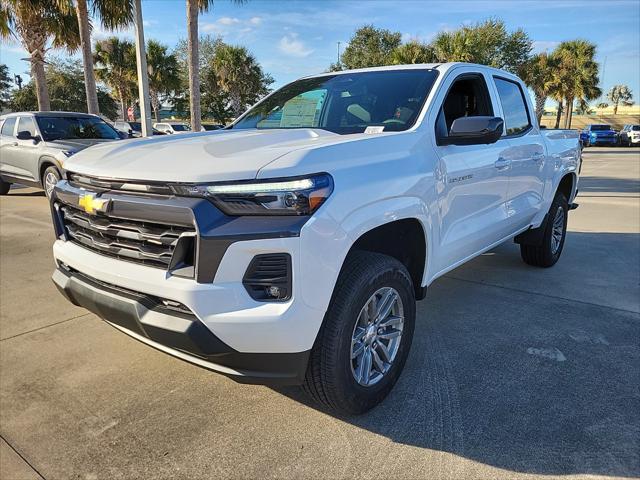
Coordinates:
339 53
143 78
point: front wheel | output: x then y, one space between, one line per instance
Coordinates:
367 332
50 177
555 231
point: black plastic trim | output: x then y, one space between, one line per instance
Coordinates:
180 331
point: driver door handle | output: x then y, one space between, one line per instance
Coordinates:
502 163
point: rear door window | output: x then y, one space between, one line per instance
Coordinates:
514 107
7 126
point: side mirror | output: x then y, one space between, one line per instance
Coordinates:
474 131
26 135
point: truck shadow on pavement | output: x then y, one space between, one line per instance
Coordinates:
608 185
509 370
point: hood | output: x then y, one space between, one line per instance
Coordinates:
196 157
76 144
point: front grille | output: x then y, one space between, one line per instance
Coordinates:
141 242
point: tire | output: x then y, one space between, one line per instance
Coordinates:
47 178
4 187
331 373
547 254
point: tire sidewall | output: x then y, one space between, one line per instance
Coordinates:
558 202
48 170
358 395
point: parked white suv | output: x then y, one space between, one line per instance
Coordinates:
292 247
170 128
630 135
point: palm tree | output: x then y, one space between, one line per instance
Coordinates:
39 25
115 62
578 74
620 94
112 14
163 74
413 52
194 7
539 73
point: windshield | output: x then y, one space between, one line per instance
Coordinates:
349 103
65 128
180 127
635 128
595 128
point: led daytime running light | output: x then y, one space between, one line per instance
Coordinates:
302 184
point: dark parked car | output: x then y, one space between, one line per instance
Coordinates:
34 145
598 135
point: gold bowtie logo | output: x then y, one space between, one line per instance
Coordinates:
91 204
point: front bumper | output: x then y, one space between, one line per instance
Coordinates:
257 339
176 332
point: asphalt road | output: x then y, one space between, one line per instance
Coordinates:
515 372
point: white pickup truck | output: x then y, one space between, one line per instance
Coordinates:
292 246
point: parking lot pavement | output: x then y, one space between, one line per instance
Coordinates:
514 372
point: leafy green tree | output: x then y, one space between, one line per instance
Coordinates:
413 52
163 74
206 52
115 62
602 105
5 85
486 43
39 25
239 76
370 47
112 14
65 79
620 94
577 74
539 73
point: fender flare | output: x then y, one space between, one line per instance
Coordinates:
373 215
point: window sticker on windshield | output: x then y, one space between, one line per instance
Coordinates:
373 129
303 110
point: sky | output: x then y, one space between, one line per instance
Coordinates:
295 38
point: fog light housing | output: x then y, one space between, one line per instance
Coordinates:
268 277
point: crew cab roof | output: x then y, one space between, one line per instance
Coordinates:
441 67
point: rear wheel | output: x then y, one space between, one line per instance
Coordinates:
50 177
555 231
367 332
4 187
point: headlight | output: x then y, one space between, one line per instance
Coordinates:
288 196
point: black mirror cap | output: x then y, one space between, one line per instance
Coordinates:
474 131
26 135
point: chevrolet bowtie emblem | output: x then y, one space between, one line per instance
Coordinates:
91 204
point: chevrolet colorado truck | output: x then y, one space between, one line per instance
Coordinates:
292 246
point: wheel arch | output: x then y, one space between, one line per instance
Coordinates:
405 240
567 185
45 162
